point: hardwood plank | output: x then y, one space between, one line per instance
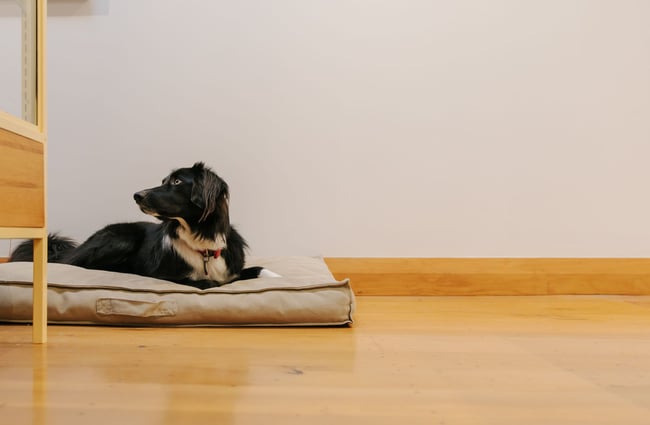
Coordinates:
21 181
494 276
568 360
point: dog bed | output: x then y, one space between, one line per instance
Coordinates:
306 294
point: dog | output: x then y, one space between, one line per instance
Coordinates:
193 244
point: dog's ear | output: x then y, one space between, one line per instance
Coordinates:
209 192
197 197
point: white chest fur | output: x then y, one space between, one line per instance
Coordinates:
216 268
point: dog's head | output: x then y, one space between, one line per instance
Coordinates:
195 194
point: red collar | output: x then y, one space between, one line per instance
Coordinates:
207 254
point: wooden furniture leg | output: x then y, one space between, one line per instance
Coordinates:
39 297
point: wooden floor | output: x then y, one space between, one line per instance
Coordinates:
455 360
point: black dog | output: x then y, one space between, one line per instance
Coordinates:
193 245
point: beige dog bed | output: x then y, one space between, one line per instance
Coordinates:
306 294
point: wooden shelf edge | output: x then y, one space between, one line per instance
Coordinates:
22 232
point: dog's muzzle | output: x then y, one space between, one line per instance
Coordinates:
139 196
140 199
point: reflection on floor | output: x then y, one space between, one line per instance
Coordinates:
407 360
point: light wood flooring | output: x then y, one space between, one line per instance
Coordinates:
556 360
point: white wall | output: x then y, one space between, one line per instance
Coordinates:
10 57
363 128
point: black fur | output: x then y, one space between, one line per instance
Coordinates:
57 248
192 204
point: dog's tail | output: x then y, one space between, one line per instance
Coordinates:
57 248
255 272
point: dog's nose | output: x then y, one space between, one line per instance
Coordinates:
139 196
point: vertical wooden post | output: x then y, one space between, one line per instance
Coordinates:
39 314
39 335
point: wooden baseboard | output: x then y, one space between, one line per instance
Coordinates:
4 259
494 276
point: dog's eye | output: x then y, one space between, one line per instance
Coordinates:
177 182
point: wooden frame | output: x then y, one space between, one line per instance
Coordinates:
23 188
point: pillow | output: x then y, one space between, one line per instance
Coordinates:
306 294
